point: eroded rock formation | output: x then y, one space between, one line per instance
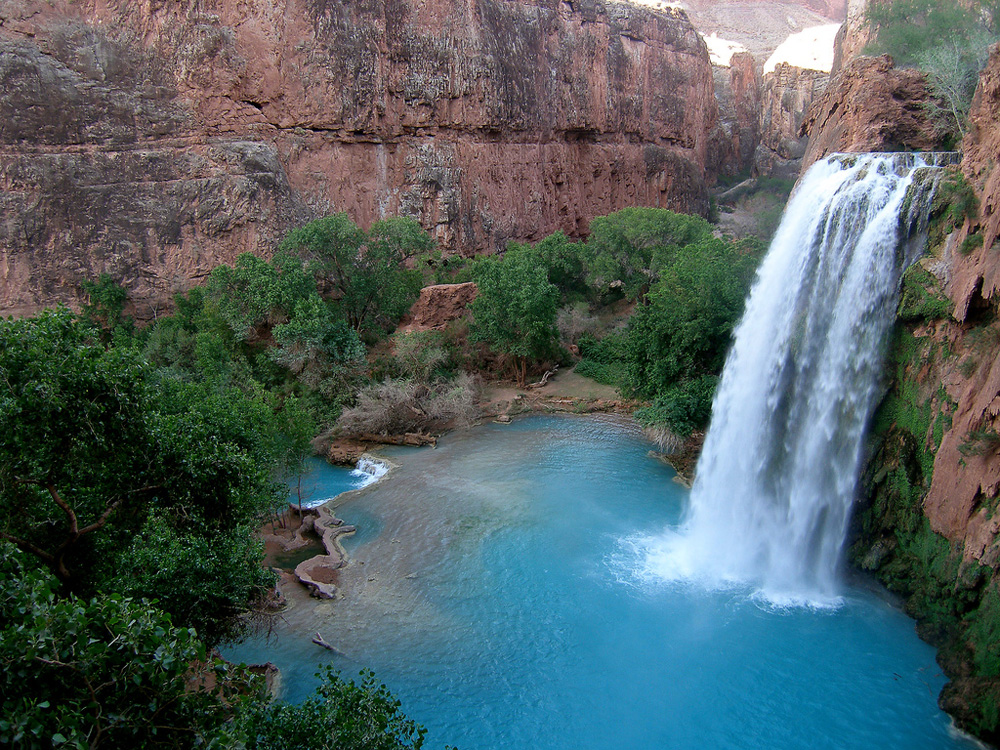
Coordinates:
439 305
872 106
155 140
788 92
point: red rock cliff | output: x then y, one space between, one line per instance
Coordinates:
966 483
155 139
871 106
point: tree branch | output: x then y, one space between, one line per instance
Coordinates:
27 546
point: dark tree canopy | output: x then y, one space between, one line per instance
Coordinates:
100 461
365 271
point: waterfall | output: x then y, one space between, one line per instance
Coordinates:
368 469
779 469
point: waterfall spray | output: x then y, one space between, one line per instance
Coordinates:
779 469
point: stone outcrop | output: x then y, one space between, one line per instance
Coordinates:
319 573
853 36
738 91
439 305
976 275
155 140
871 106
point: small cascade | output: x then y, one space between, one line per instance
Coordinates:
779 469
368 469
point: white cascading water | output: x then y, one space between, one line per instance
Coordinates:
779 469
368 470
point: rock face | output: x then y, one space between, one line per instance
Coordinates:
967 476
853 35
787 94
871 106
155 140
439 305
738 91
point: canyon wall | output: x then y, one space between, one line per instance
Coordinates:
154 140
787 95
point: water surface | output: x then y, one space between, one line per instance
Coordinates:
504 601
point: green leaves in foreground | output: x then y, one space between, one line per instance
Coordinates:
113 672
106 672
341 715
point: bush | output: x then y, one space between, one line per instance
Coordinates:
395 407
681 409
515 310
105 672
342 715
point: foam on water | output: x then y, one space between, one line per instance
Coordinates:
369 470
334 481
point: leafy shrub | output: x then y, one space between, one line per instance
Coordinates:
342 715
681 409
514 312
921 297
105 672
607 373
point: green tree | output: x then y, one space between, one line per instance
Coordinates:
341 715
253 294
110 672
684 331
514 312
315 345
103 672
365 271
105 308
100 461
632 245
73 442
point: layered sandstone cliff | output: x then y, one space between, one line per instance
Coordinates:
155 140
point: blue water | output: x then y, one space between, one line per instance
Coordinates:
322 482
504 602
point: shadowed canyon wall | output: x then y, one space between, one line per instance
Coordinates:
154 140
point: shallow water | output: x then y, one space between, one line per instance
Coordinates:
503 600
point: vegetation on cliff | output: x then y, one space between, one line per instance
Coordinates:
949 41
954 598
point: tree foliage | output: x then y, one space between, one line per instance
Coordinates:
631 246
365 271
101 672
684 330
514 312
93 446
112 671
340 715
